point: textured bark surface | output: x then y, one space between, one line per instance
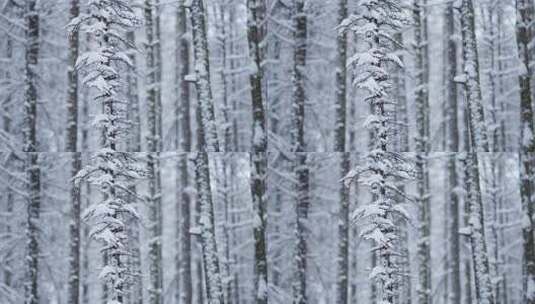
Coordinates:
153 93
211 265
31 287
343 235
256 35
452 145
202 77
525 33
300 169
422 148
301 172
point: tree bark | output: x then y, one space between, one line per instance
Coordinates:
183 143
525 34
343 235
211 263
300 168
422 149
479 143
258 160
71 146
31 286
154 146
452 143
205 102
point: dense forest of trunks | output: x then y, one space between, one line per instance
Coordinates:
267 151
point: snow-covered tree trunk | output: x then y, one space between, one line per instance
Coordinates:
298 76
207 122
339 146
232 81
465 181
155 218
72 75
478 143
422 150
402 145
300 167
466 256
235 219
383 169
471 79
258 188
76 163
354 243
492 74
211 265
7 267
301 172
153 91
343 235
33 180
478 242
74 231
183 143
525 36
108 21
220 11
494 160
401 111
133 142
226 201
452 144
341 79
258 162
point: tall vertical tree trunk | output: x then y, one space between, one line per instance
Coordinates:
302 206
467 260
525 35
494 162
463 159
76 163
422 148
354 245
235 219
205 102
224 36
74 231
480 262
183 143
227 183
134 145
85 230
298 145
7 266
341 79
479 143
232 64
258 161
402 118
31 286
343 235
211 265
476 117
133 112
154 146
452 143
339 146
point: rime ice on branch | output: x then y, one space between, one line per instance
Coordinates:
107 22
375 24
